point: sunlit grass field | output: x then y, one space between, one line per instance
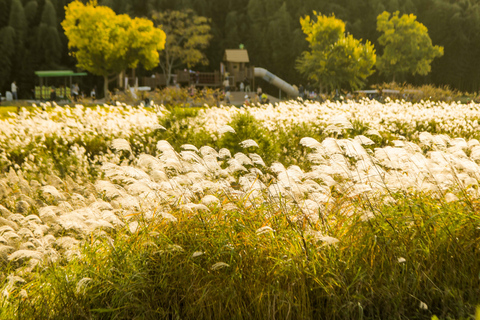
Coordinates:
301 210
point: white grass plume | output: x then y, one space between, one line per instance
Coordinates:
210 200
257 159
82 285
197 254
4 229
310 143
243 159
327 240
225 129
219 265
208 151
111 191
25 254
248 143
331 146
164 146
234 165
51 190
224 153
364 140
263 230
193 207
121 145
189 147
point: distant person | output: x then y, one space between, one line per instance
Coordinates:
259 93
247 100
308 89
75 91
301 91
192 91
242 86
14 90
226 84
247 85
227 97
215 96
93 93
264 99
53 94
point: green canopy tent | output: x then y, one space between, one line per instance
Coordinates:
44 75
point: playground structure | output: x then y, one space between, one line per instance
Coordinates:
235 68
276 81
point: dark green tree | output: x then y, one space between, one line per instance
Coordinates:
119 6
49 40
407 47
18 22
282 33
3 13
7 49
30 13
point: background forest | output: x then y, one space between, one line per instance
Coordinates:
31 37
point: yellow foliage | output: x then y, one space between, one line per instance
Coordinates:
104 42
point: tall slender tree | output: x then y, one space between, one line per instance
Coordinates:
4 13
49 39
7 49
187 35
18 22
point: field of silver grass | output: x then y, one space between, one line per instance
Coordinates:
45 218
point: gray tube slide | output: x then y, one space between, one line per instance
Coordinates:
276 81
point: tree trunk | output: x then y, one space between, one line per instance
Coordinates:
167 79
106 94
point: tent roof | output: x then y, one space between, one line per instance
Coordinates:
236 55
59 73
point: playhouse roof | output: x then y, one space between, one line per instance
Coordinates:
59 73
236 55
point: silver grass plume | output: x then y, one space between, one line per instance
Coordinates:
219 265
243 159
248 143
310 143
208 151
51 190
263 230
225 129
25 254
210 200
257 159
224 153
189 147
364 140
121 145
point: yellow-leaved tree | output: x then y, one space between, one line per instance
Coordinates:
105 43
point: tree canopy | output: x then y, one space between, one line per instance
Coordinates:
105 43
335 60
187 34
407 47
